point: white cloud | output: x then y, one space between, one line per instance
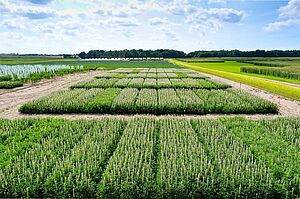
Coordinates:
289 16
292 9
11 36
57 20
212 20
278 25
158 21
216 1
122 22
29 11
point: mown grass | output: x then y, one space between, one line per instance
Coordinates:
273 87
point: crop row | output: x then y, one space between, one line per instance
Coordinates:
150 70
150 101
24 71
146 157
284 72
151 75
150 83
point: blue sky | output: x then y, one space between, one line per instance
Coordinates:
72 26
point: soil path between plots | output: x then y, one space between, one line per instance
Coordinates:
11 101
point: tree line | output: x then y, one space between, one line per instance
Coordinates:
165 53
168 53
238 53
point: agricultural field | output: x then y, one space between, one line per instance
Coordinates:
16 75
150 95
12 75
152 144
230 70
86 64
149 101
150 158
285 71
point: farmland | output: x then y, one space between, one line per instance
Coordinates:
240 66
150 99
150 96
14 72
276 87
16 75
167 152
149 157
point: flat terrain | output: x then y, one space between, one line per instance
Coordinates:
150 157
11 101
156 132
276 87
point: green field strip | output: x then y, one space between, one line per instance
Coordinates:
150 83
190 102
282 157
96 83
230 156
233 101
147 101
289 130
63 101
168 102
122 83
78 174
129 172
163 83
15 142
184 170
136 83
102 102
25 176
271 86
125 102
10 84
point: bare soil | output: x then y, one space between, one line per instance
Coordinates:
11 100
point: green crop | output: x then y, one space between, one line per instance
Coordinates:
150 157
10 84
152 101
150 83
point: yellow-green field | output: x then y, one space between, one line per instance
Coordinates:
235 66
232 74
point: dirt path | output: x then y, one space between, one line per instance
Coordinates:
11 100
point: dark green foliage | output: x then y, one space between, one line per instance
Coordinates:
10 84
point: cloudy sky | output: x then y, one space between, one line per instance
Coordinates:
72 26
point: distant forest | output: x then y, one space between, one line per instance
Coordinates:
166 53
